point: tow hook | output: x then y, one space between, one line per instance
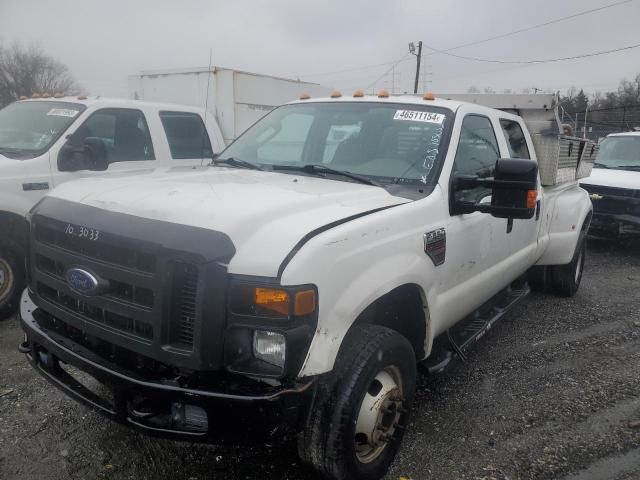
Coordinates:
24 347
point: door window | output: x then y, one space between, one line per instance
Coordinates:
123 131
514 136
477 154
186 134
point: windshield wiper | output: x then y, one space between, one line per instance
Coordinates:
320 169
235 162
600 165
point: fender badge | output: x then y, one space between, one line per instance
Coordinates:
435 245
595 196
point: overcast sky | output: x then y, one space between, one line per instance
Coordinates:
103 41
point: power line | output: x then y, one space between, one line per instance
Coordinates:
477 42
387 71
364 67
528 62
539 25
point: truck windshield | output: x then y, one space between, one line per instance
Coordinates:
28 129
621 152
386 142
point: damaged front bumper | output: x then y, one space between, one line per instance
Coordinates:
237 413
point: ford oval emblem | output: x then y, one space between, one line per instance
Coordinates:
82 281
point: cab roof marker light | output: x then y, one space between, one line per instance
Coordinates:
383 94
335 94
23 97
82 97
35 95
46 95
358 94
429 96
305 96
58 95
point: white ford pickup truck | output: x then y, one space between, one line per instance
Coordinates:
336 245
45 142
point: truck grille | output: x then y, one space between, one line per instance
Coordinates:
614 200
145 283
91 313
184 307
129 306
113 254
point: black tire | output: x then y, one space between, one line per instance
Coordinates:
328 441
565 279
537 278
12 282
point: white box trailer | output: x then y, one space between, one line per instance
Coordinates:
237 99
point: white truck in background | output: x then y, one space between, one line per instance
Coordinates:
47 141
614 187
237 99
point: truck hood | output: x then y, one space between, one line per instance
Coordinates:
265 214
607 177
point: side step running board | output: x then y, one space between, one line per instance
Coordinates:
459 338
474 326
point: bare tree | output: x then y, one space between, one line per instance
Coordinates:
25 70
473 89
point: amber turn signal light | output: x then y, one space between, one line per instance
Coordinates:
532 198
273 299
304 303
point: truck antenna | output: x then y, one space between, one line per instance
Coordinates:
206 112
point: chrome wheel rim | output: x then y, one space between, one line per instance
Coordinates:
6 280
379 416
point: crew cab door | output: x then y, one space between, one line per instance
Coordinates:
127 139
522 239
483 253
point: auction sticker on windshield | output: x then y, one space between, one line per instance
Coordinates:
63 112
419 116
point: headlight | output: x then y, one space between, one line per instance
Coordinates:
270 347
269 327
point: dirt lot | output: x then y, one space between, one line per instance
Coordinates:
553 392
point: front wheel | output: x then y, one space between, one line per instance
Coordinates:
11 282
358 417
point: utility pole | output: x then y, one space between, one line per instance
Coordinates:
584 129
412 51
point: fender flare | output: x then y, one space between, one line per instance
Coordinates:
357 295
564 231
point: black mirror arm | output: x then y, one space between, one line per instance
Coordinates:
462 207
471 181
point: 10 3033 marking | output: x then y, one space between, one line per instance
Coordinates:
82 232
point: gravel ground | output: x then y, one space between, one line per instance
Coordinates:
552 392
